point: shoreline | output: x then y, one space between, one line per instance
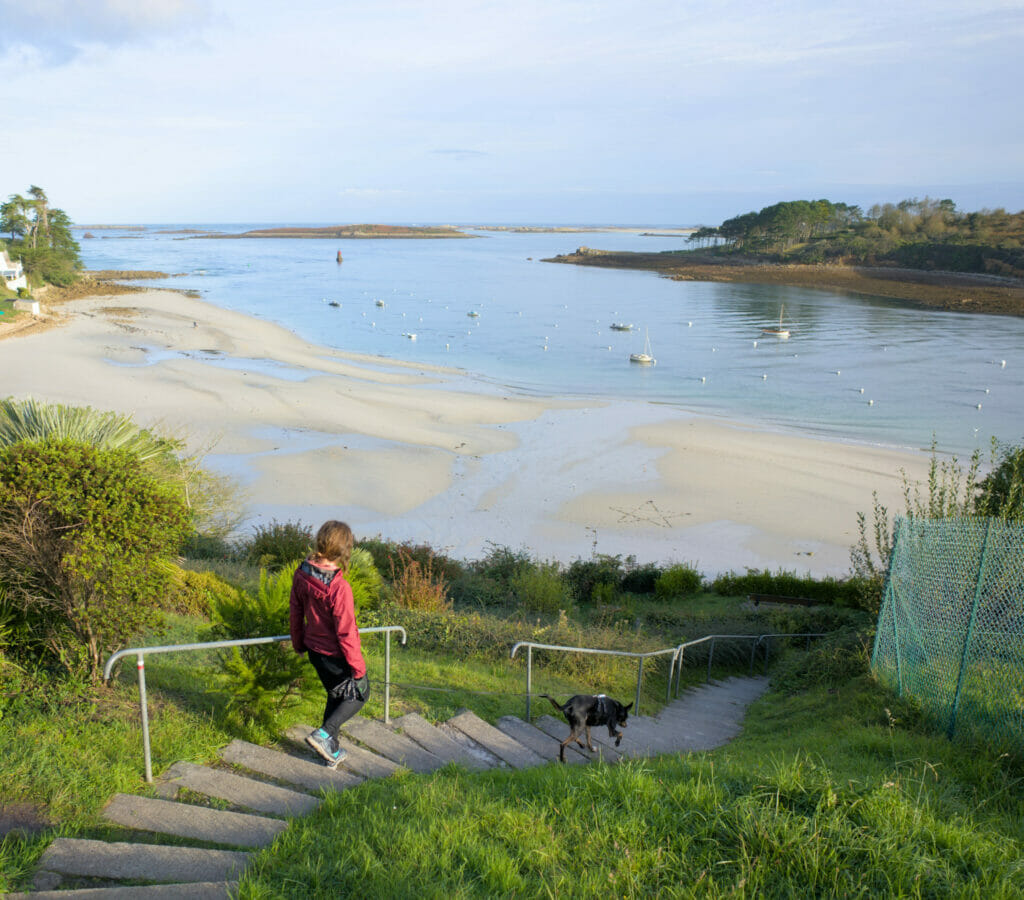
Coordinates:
948 291
433 455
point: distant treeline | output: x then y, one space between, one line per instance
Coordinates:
919 234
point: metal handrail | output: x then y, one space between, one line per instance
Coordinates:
675 666
677 660
531 646
141 653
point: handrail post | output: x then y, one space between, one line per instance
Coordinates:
639 680
529 678
145 717
711 656
753 653
387 677
679 670
671 672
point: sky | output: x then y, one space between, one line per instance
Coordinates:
672 112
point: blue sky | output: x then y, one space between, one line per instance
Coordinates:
642 112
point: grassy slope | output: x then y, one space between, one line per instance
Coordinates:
823 795
820 790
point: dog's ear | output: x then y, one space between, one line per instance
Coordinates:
627 708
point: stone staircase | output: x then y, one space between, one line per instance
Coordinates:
253 791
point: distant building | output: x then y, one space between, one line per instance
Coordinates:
12 273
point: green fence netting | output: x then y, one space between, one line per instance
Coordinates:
951 627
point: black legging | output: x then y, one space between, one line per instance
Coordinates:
345 694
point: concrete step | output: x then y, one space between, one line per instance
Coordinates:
414 726
137 862
484 755
540 743
559 730
236 789
194 891
196 822
497 742
275 764
396 747
359 761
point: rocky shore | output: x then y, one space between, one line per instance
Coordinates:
953 291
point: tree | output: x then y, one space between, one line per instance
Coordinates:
87 539
41 234
1002 490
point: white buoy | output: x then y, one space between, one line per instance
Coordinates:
978 406
764 376
861 390
1002 364
871 402
838 372
755 343
689 324
703 379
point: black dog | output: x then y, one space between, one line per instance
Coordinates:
585 710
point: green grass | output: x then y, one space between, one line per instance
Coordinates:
824 794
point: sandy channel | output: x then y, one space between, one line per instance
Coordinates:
428 454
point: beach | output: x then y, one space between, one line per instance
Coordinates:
431 454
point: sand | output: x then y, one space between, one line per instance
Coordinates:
423 453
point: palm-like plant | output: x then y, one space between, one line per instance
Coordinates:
210 497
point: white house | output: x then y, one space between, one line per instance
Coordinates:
12 273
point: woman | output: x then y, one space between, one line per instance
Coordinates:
323 624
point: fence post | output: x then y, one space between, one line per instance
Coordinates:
979 579
711 656
889 596
387 677
639 679
145 718
529 679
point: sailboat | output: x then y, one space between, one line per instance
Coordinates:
645 358
781 331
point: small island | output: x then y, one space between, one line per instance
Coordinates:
346 232
925 252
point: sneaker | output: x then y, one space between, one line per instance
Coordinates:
326 746
338 753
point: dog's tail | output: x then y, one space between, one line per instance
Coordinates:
554 702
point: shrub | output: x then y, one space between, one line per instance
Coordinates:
640 579
196 593
273 546
502 564
855 592
391 556
86 539
477 590
679 581
539 588
207 546
259 680
583 575
365 580
417 586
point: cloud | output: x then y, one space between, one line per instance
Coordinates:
55 31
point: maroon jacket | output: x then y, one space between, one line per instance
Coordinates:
323 616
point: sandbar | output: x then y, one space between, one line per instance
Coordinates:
428 454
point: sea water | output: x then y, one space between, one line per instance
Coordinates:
854 368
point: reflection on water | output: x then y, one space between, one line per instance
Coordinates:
854 367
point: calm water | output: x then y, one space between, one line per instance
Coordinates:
855 368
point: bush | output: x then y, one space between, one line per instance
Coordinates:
263 679
678 581
540 589
854 593
417 586
207 546
196 593
86 541
277 544
502 564
392 556
477 590
365 580
583 575
640 579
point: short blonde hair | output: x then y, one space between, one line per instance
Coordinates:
334 541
